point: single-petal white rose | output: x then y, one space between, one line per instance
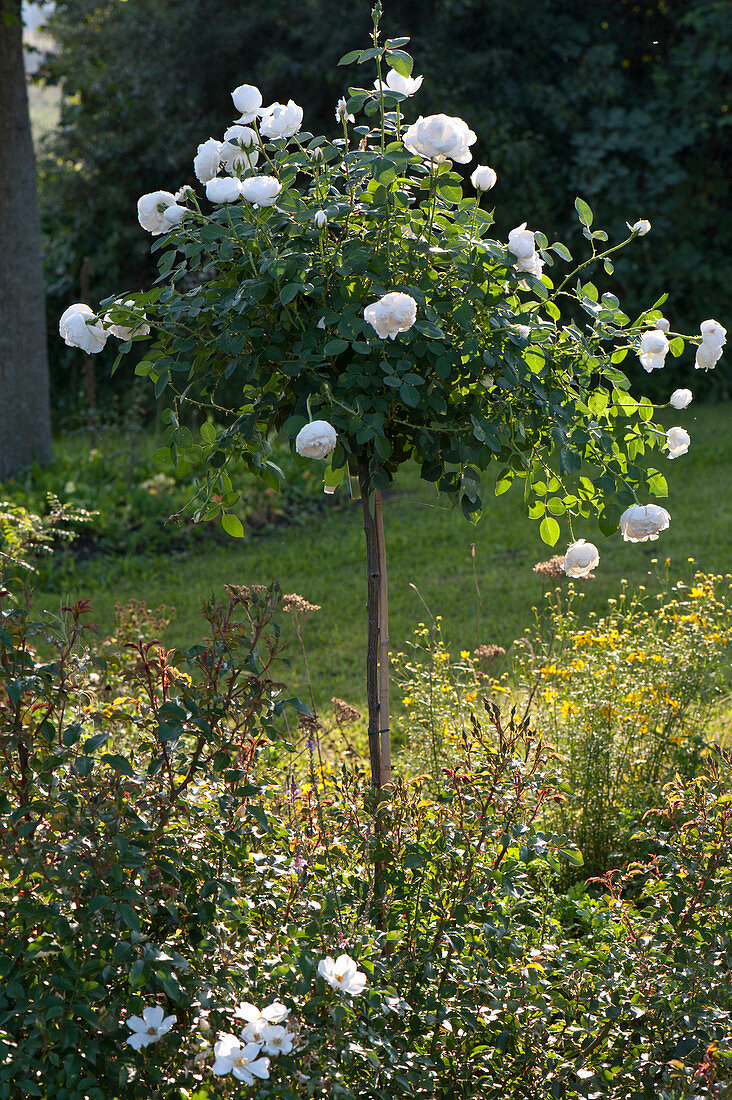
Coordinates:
714 335
252 1033
78 333
653 350
150 1027
439 138
392 314
581 558
150 210
321 219
281 120
662 324
315 440
238 149
677 441
136 328
643 522
395 82
262 190
247 100
680 399
341 111
342 973
224 189
207 162
242 1059
707 357
483 178
174 214
641 228
276 1040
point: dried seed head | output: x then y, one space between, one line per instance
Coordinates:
293 602
344 712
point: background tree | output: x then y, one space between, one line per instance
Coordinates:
25 427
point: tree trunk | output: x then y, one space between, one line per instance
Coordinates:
25 421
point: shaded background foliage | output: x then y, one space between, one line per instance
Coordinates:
624 103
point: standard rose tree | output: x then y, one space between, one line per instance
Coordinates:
352 291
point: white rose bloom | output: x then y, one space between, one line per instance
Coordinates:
581 558
653 350
207 161
262 190
680 399
641 228
321 219
707 357
174 214
316 440
281 120
341 111
643 522
395 82
272 1014
276 1040
241 1059
662 324
150 1027
483 178
78 334
184 193
532 266
439 138
126 332
224 189
238 149
521 242
392 314
252 1033
677 441
150 209
522 330
343 974
714 335
247 100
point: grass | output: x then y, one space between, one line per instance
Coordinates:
428 545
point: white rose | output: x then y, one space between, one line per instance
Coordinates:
73 326
680 399
238 149
581 558
707 357
521 242
483 178
137 328
341 111
247 100
321 219
677 441
641 227
532 266
714 335
207 161
262 190
439 138
392 314
184 193
280 120
642 522
342 973
653 350
223 189
316 440
150 209
522 330
174 215
395 82
662 324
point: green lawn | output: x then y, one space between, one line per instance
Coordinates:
428 545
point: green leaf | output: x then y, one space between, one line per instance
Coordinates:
549 531
119 763
562 250
290 291
232 525
350 57
583 212
400 61
573 856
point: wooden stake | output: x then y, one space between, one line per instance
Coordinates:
384 733
372 629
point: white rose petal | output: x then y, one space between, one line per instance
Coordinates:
581 558
321 219
677 441
653 350
714 335
342 973
77 307
207 162
521 242
522 330
281 120
150 209
247 100
707 357
138 328
238 149
240 1059
643 522
680 399
224 189
262 190
315 440
662 324
148 1028
641 228
276 1040
439 138
395 82
483 178
392 314
77 333
174 215
341 111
